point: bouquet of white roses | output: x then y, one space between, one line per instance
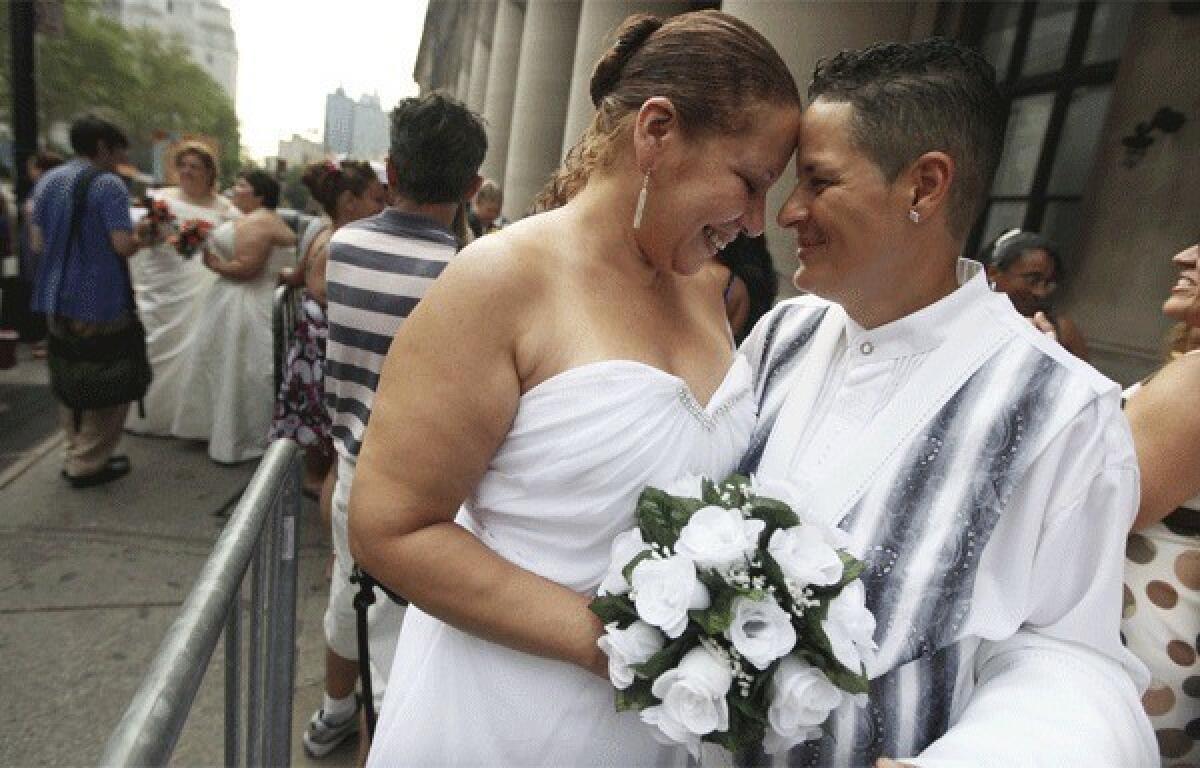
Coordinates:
732 620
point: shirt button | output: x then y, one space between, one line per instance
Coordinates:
866 347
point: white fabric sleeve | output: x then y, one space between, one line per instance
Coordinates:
1062 690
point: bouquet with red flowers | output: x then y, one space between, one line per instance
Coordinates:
191 237
157 211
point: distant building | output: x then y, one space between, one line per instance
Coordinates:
202 26
298 151
339 122
357 129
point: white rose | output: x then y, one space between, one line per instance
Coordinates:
693 699
665 590
625 547
761 631
805 555
716 537
801 699
850 627
686 487
627 647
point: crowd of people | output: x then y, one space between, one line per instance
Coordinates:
479 421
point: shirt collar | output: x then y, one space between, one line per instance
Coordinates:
924 329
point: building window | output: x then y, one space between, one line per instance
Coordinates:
1056 62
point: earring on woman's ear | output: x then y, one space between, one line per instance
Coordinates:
641 201
914 216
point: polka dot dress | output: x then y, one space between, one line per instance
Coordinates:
1161 625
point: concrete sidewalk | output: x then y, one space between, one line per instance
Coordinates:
91 579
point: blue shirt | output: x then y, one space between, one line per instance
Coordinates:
95 283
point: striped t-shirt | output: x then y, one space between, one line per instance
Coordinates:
379 268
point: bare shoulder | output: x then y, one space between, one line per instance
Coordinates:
1176 385
508 269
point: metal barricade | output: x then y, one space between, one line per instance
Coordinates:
260 536
284 311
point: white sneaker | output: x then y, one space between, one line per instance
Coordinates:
324 734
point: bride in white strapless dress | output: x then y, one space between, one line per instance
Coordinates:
226 389
552 371
168 287
563 484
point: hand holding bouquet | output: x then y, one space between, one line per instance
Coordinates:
191 236
158 212
730 619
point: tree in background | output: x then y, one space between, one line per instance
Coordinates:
145 81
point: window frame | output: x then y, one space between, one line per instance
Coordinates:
1074 74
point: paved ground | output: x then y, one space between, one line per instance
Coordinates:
91 579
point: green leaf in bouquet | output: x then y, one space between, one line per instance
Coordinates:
662 516
845 679
732 487
747 707
852 567
824 659
636 697
717 617
627 571
745 732
711 495
667 658
614 608
774 513
775 577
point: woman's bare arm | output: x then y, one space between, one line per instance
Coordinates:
446 401
314 268
1166 432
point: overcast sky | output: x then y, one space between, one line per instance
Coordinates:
291 53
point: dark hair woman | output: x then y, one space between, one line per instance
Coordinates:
1026 267
348 191
553 370
227 388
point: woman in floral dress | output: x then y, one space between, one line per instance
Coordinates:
347 191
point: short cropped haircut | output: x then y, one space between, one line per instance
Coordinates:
264 186
913 98
89 130
437 146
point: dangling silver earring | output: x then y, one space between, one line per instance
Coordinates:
914 216
641 202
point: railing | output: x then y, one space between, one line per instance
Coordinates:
283 329
260 536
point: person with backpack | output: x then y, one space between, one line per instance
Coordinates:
82 227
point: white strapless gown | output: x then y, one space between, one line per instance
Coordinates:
563 484
227 388
168 287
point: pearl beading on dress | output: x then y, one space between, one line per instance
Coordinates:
708 420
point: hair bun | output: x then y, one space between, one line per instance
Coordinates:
634 31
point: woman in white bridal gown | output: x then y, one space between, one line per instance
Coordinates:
167 285
227 389
552 371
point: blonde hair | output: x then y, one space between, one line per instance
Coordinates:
205 155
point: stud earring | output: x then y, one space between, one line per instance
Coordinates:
641 201
914 216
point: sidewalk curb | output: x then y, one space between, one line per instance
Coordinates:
35 454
